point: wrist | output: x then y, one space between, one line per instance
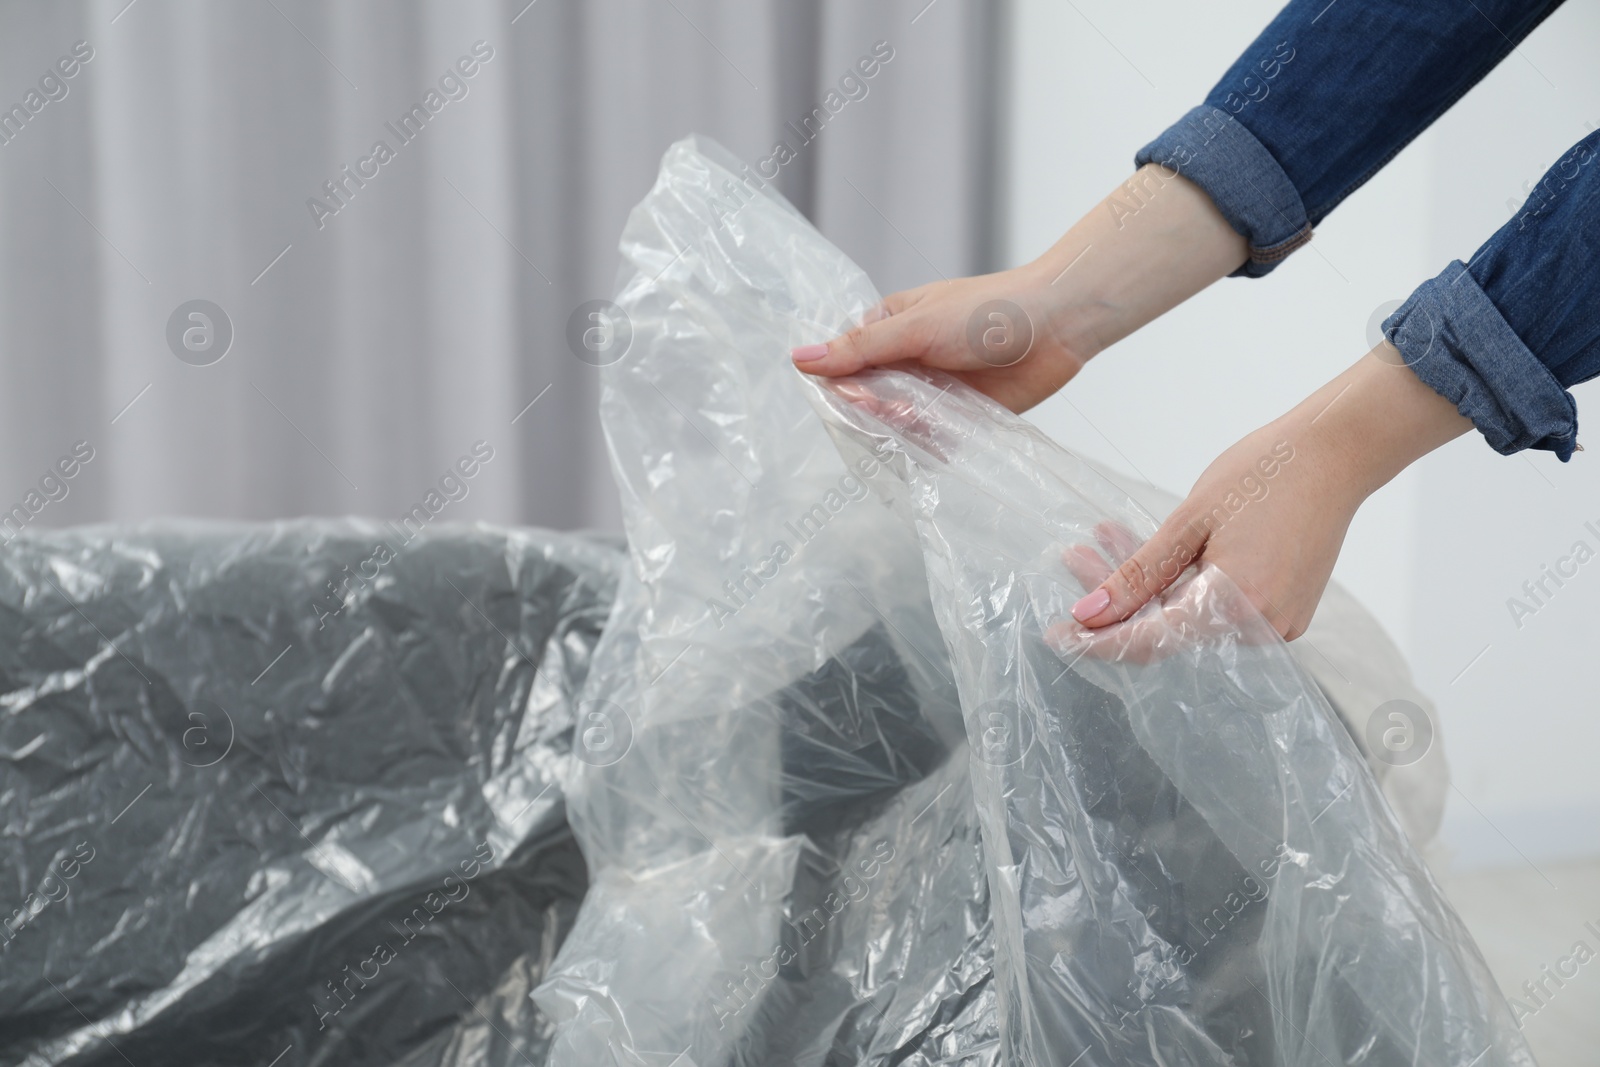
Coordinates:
1371 422
1073 315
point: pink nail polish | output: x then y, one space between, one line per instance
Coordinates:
1091 605
808 353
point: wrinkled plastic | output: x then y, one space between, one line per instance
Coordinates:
1189 860
1359 669
775 803
268 779
1182 861
223 784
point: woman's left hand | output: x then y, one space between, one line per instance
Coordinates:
1271 512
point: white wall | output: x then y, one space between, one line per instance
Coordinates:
1437 553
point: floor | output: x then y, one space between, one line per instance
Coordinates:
1526 920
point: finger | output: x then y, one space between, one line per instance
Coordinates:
1203 606
898 413
1143 575
916 423
1179 623
894 304
1140 640
1086 565
872 344
1118 541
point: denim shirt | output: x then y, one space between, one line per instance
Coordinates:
1327 95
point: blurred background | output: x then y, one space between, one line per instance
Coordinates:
370 316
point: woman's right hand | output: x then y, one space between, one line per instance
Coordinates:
1019 335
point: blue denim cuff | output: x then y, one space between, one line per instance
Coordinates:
1454 338
1213 149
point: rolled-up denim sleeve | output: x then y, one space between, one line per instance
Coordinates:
1319 103
1504 335
1323 98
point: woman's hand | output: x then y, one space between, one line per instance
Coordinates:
1019 335
1008 335
1271 512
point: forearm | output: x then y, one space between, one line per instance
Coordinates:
1151 244
1019 335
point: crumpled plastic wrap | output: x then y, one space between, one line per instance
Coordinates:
1181 856
224 784
776 810
846 789
1359 669
1189 859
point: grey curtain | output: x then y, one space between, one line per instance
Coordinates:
391 309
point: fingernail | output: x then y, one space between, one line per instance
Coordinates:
1091 605
807 353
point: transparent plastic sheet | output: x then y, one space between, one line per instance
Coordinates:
1189 860
776 810
221 790
1359 669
